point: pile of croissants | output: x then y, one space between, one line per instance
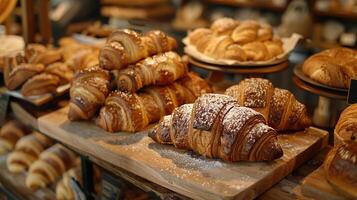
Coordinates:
139 79
44 161
237 40
240 125
41 70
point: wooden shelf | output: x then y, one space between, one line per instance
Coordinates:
250 4
343 14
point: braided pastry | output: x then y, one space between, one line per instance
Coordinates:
134 112
333 67
278 106
161 69
125 47
10 133
89 89
52 163
26 151
215 126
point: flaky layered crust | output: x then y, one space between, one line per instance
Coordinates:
216 126
333 67
278 106
125 47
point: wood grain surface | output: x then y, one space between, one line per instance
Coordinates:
182 171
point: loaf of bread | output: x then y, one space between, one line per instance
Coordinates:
346 127
340 168
333 67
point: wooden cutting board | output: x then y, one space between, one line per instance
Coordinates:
316 186
182 171
16 183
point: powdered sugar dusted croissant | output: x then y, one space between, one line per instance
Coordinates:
278 106
135 111
89 89
27 150
161 69
125 47
216 126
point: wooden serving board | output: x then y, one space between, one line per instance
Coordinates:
316 186
182 171
16 183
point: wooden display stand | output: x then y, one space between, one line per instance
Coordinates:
217 72
177 170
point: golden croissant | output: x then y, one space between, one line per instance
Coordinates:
89 89
135 111
278 106
52 163
125 47
26 151
10 133
161 69
215 126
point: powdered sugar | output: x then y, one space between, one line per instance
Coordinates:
206 109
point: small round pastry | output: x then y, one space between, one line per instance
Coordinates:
340 169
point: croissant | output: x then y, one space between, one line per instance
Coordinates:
340 168
52 163
39 54
40 84
16 76
237 40
62 70
133 112
278 106
125 47
246 32
161 69
215 126
346 127
10 133
89 89
224 26
26 151
64 189
333 67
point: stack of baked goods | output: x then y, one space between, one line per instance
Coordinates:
137 9
332 67
340 165
278 106
139 79
229 39
44 163
39 71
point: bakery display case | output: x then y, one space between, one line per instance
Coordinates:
178 99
